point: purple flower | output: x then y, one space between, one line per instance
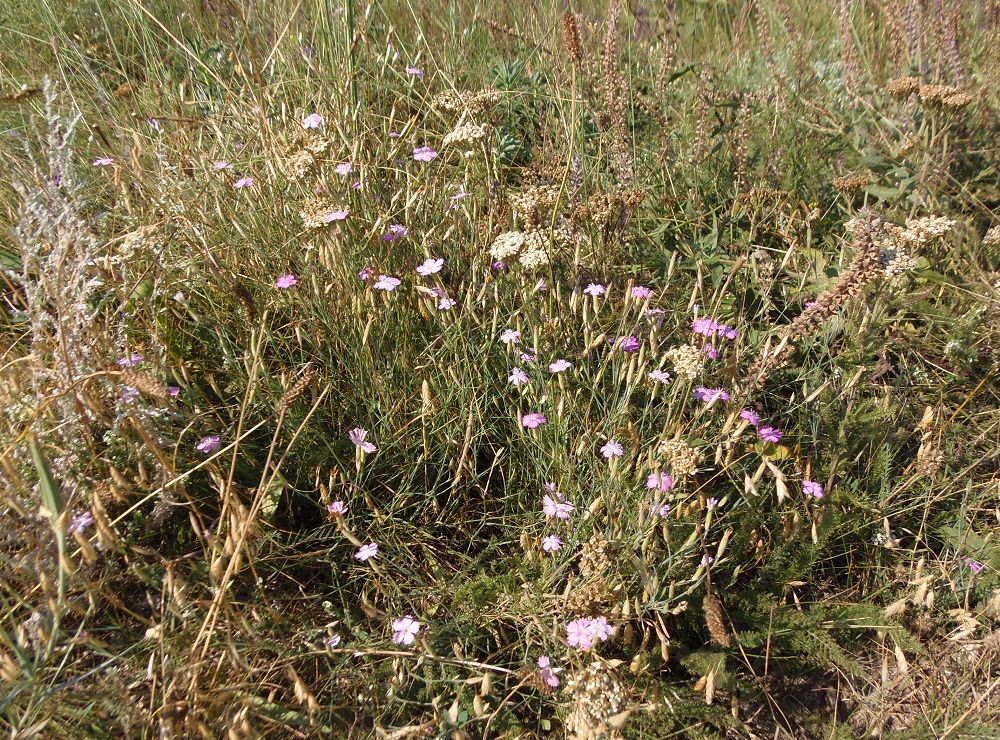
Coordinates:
313 120
770 434
359 436
415 72
640 292
710 350
395 232
344 168
612 449
582 633
395 135
103 162
707 560
364 273
533 420
711 503
404 631
286 281
708 395
812 488
499 265
510 336
517 377
458 196
557 507
708 327
331 641
527 357
660 510
173 391
424 154
337 508
559 366
243 182
386 283
595 289
128 394
656 312
974 565
751 416
130 360
660 376
209 444
548 671
430 266
446 303
541 286
551 543
366 551
340 215
629 344
659 481
80 521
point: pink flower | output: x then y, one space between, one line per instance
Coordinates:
712 503
533 420
286 281
551 543
510 336
103 162
430 266
612 449
660 510
364 273
221 164
173 391
659 481
80 521
708 395
366 551
386 283
396 232
344 168
517 377
331 641
595 289
707 560
209 444
446 303
812 488
424 154
404 631
548 671
541 286
130 360
974 565
337 508
559 507
527 357
313 120
340 215
560 365
641 292
243 182
415 72
660 376
582 633
358 436
769 434
751 416
629 344
710 350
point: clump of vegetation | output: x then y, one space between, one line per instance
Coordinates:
608 371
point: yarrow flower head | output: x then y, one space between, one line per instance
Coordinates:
770 434
337 508
595 289
359 436
517 377
209 444
313 120
812 488
366 551
560 365
395 232
582 633
404 631
286 281
424 154
708 395
612 450
551 543
430 266
533 420
387 283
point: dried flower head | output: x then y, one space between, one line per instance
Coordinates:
598 697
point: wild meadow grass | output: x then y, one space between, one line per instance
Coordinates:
459 369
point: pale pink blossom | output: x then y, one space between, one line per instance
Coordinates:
359 436
404 631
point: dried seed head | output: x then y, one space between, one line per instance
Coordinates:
598 697
715 621
571 38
